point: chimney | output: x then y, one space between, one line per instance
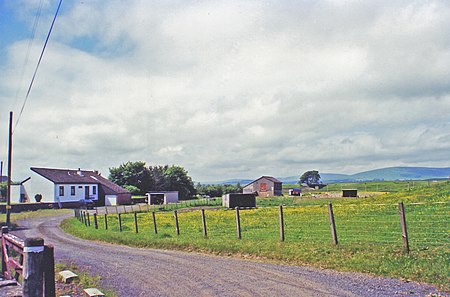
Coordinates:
79 172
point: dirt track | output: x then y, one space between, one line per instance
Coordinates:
148 272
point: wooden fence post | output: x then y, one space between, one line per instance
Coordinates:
136 222
33 268
205 232
106 221
154 222
332 224
88 219
95 221
238 223
401 209
120 222
49 271
281 219
177 227
4 231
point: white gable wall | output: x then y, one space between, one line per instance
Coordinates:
40 185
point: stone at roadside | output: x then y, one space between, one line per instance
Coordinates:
68 276
93 292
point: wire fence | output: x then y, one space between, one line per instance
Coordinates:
144 207
425 224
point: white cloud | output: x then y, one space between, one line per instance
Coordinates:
237 88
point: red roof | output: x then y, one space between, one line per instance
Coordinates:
72 176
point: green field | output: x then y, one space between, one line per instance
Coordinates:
368 229
374 186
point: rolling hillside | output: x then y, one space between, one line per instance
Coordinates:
388 174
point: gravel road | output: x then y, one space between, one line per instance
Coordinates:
149 272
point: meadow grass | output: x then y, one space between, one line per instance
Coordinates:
369 233
374 186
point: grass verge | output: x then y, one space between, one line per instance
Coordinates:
76 287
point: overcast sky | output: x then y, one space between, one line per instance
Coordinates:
228 89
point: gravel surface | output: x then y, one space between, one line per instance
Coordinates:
149 272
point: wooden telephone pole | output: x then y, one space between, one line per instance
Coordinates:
8 191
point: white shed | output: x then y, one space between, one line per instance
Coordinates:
162 197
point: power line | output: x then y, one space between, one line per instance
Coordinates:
30 43
37 66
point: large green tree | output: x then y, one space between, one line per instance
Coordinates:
134 174
177 179
140 179
310 178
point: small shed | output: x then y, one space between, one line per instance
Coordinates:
350 193
295 192
233 200
162 197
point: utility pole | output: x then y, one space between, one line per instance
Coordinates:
8 192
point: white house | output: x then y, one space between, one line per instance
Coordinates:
68 187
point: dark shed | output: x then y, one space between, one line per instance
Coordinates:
237 199
350 193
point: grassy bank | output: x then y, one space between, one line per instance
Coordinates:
369 233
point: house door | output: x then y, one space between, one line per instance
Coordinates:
86 192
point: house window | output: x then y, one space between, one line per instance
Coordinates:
94 190
61 190
72 190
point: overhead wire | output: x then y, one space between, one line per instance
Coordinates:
37 66
30 43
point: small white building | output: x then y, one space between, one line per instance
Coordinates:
162 197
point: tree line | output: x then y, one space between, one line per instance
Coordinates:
138 178
217 190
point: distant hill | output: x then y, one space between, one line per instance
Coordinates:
234 181
388 174
391 173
